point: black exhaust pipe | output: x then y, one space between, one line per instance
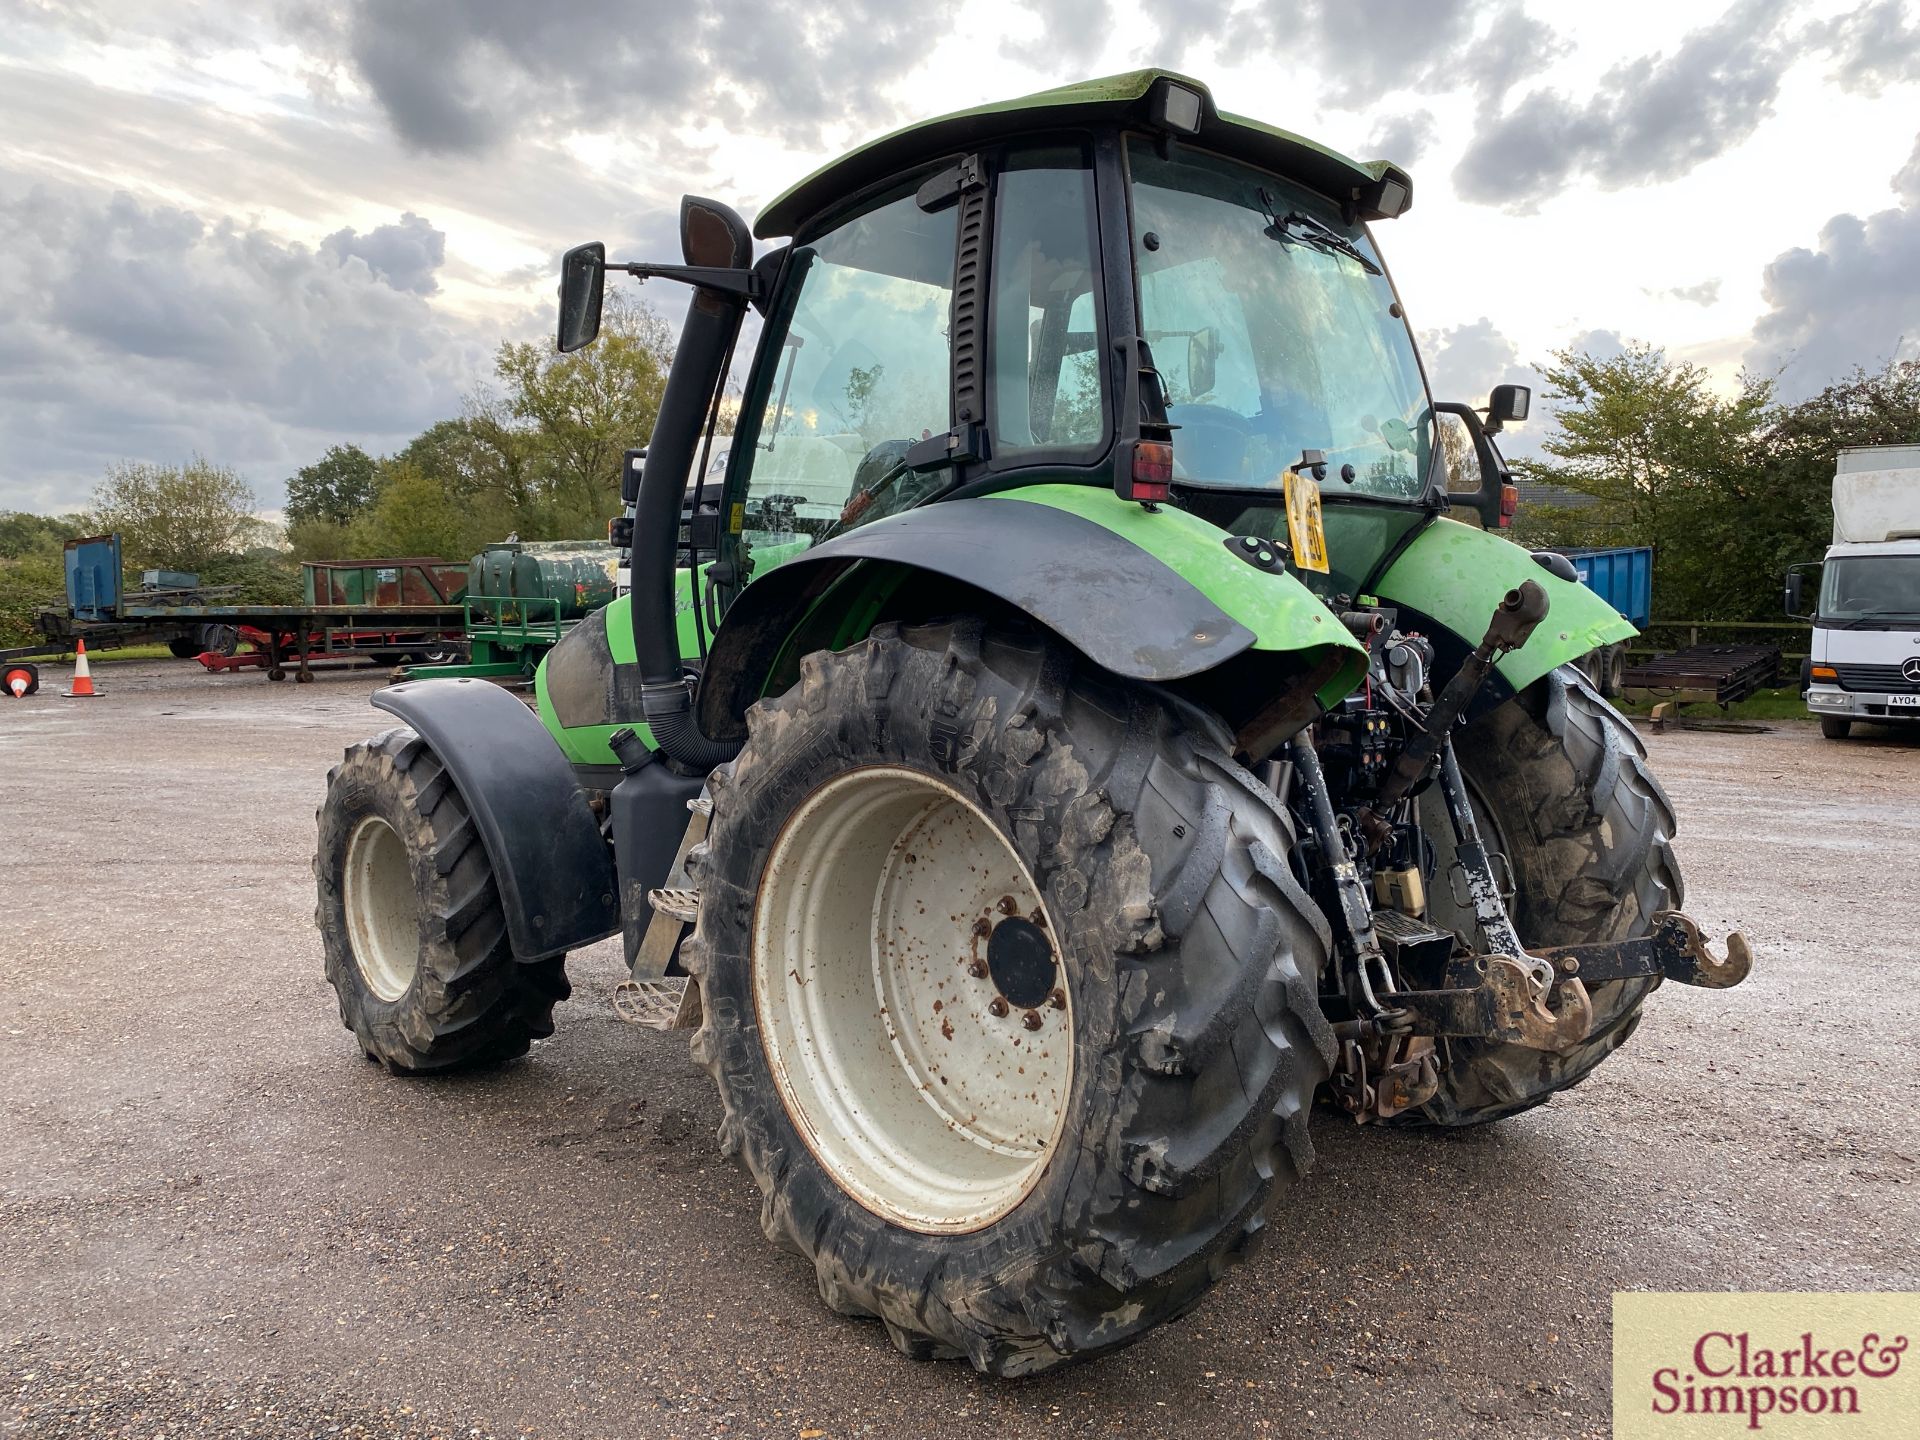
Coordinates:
711 235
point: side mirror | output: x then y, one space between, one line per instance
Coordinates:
583 281
1793 593
1203 361
630 468
1508 405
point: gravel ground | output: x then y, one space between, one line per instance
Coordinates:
217 1219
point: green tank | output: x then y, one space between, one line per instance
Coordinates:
576 576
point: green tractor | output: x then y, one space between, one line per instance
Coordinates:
1078 728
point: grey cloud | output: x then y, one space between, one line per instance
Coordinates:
1400 138
1707 292
145 331
1872 47
1651 119
1907 183
1464 362
462 76
405 256
1853 301
1071 31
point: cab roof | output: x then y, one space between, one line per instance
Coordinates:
1117 99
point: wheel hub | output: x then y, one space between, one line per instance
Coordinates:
383 914
1020 961
910 1001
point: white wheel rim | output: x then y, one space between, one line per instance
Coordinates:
885 893
383 916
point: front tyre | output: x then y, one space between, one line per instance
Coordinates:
1835 727
1560 780
1008 993
411 919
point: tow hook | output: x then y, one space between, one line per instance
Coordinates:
1501 998
1676 950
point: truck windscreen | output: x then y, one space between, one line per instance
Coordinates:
1870 587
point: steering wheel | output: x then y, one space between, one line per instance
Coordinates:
1212 443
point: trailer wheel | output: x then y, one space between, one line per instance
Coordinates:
411 918
184 647
1008 992
1560 780
1835 727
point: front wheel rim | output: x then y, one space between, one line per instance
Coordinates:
915 1016
383 913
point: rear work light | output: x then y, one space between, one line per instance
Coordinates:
1509 503
1151 472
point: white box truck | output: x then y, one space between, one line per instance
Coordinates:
1865 661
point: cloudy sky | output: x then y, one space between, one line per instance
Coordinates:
255 231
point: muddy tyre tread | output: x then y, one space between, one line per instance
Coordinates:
471 1004
1198 1119
1589 834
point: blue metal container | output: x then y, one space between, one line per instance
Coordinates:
1622 577
93 577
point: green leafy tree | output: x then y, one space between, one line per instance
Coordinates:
336 487
1661 453
556 432
23 533
175 517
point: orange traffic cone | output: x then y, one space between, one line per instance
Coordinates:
82 674
20 680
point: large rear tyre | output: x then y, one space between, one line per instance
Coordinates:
410 915
1008 992
1560 779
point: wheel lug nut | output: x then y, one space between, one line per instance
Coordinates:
1058 999
1031 1019
978 969
997 1006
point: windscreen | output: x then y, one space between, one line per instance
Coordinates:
1275 331
1870 587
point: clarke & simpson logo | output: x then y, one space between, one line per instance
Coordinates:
1699 1365
1730 1375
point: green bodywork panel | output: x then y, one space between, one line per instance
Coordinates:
1087 102
1281 612
1458 574
587 744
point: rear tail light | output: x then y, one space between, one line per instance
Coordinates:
1151 472
1509 503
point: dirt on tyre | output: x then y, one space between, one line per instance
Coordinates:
1560 780
410 914
1008 992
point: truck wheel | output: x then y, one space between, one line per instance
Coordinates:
184 647
1560 780
1835 727
1008 992
415 936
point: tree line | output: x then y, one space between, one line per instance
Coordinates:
1727 490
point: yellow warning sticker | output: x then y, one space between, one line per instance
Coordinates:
738 519
1305 530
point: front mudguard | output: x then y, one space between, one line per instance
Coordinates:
1453 576
554 871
